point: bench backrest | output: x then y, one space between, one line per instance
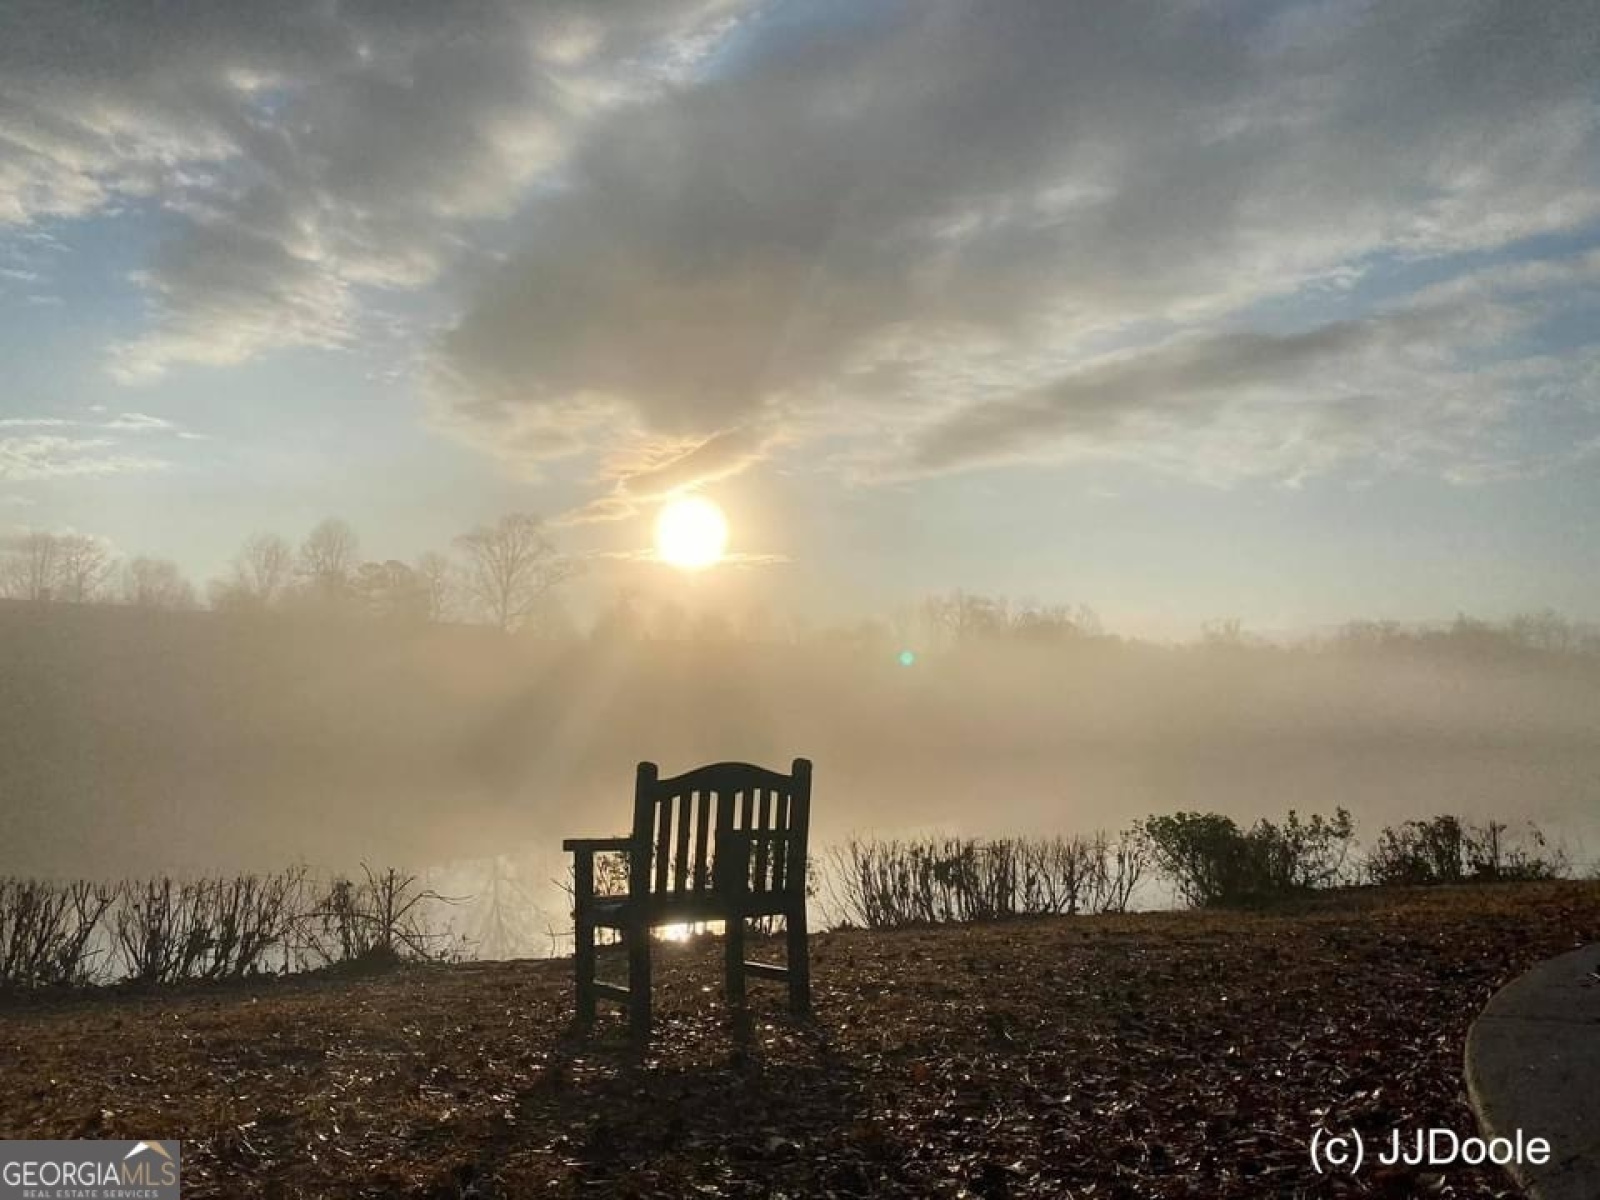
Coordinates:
682 821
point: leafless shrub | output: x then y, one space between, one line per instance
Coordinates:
883 884
382 917
249 917
166 930
47 931
161 929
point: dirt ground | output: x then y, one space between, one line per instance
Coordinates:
1149 1055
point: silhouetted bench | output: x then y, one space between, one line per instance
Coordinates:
724 842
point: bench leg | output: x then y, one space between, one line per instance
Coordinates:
799 948
733 960
583 936
639 981
583 967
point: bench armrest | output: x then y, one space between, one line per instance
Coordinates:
597 845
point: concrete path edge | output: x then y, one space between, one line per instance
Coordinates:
1533 1064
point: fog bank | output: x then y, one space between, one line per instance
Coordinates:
136 741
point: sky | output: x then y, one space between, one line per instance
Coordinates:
1288 313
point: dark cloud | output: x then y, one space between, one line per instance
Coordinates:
1183 383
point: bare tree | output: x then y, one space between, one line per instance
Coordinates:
72 567
261 574
83 565
156 583
437 578
511 566
963 617
28 571
392 591
329 558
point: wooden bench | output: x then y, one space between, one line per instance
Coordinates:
724 842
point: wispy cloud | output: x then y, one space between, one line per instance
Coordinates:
52 457
140 423
733 558
646 474
128 422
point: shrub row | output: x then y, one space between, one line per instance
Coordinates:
1206 859
165 930
1211 861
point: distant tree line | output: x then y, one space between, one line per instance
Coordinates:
504 574
508 574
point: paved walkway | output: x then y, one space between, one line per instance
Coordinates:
1533 1064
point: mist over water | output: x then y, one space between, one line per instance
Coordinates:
138 742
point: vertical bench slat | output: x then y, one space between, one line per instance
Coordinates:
680 862
724 820
747 818
702 871
663 844
763 847
780 852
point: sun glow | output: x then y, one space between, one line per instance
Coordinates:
691 533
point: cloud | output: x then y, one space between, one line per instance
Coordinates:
1184 385
48 456
935 215
127 422
938 233
306 153
1433 384
734 558
648 474
138 422
62 447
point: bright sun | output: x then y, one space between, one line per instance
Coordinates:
691 533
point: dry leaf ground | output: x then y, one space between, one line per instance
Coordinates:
1164 1054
